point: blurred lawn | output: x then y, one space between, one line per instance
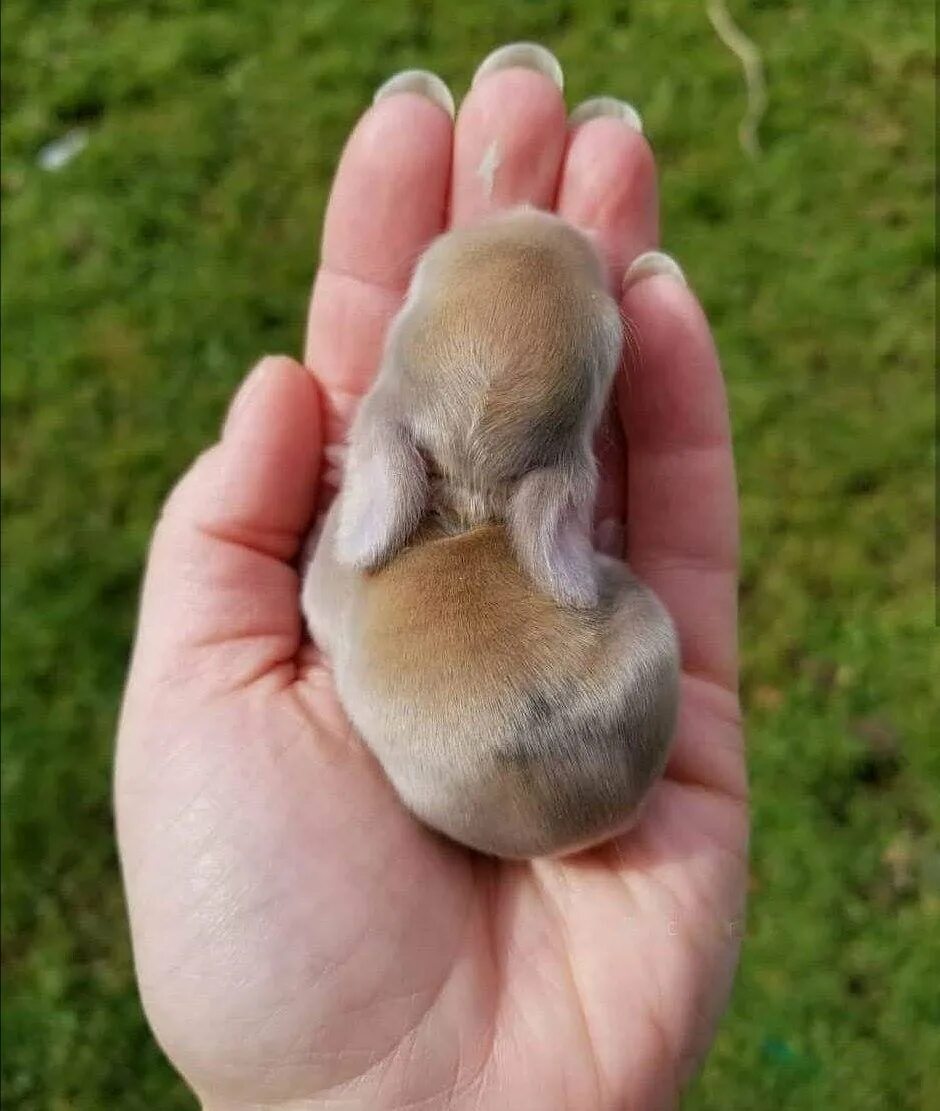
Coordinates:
141 280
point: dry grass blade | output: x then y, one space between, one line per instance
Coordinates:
752 64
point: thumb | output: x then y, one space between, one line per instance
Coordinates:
220 598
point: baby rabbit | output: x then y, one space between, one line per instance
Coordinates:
518 688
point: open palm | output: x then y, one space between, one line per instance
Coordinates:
298 937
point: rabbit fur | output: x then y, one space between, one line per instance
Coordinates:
518 688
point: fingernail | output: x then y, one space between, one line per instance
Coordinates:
522 55
420 81
606 106
335 455
650 264
608 536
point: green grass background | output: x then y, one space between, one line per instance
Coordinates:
142 280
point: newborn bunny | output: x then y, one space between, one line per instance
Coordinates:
518 688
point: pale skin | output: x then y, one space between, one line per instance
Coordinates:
300 941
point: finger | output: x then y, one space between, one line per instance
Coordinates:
682 532
608 190
608 182
708 748
220 579
510 134
388 201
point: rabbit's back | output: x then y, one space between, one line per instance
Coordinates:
513 724
453 618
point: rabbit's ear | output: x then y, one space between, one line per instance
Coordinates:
385 489
550 526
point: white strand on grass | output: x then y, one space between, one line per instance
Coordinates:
752 64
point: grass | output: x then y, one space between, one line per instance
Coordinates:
143 278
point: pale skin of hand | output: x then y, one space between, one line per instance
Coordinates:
299 939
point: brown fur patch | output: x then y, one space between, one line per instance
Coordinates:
455 615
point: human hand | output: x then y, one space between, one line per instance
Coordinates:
299 938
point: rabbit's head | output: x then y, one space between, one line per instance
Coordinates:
492 385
